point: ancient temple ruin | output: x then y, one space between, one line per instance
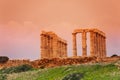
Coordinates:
97 42
52 46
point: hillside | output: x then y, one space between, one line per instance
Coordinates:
97 71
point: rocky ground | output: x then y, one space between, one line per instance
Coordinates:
45 63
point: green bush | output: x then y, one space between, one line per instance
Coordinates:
74 76
3 77
3 59
21 68
114 55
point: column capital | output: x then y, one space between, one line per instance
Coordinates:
74 34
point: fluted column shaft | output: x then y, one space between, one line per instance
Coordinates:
45 44
84 44
92 43
55 47
100 55
48 47
51 48
60 48
105 47
95 44
102 47
74 45
65 50
42 46
98 46
64 54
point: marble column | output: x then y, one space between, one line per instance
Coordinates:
100 37
98 45
66 50
51 47
48 54
105 47
61 49
55 47
42 45
95 44
74 45
92 40
84 44
45 46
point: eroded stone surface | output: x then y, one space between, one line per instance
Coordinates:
97 43
52 46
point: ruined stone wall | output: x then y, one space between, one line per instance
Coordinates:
97 42
52 46
53 62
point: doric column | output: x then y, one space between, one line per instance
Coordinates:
92 43
100 50
104 47
101 54
59 49
47 46
42 45
55 47
95 44
84 45
51 49
74 45
48 53
45 43
98 45
63 49
66 50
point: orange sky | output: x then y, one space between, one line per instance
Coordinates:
21 22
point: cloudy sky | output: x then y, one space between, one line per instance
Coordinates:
21 22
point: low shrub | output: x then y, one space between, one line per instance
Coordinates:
3 77
21 68
114 55
74 76
3 59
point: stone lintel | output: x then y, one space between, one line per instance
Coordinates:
89 30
